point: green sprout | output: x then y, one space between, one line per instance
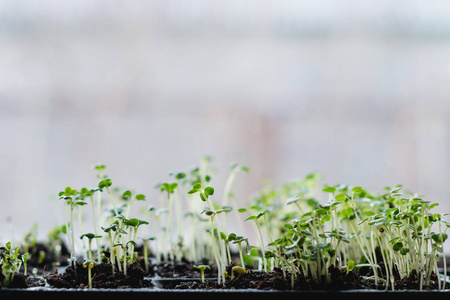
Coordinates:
237 269
202 269
350 265
106 184
235 239
84 192
72 201
170 189
10 263
302 228
204 194
113 228
89 262
145 251
218 255
125 258
100 168
256 218
133 225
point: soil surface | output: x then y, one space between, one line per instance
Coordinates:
178 269
141 276
48 260
102 277
276 279
340 280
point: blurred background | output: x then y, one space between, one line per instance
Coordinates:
358 91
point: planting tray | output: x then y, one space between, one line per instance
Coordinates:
157 293
162 289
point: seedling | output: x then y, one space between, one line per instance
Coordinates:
10 263
350 266
238 240
106 184
393 234
218 254
114 227
90 237
84 192
89 263
202 269
237 270
72 201
204 194
24 259
169 188
255 218
125 257
133 225
145 251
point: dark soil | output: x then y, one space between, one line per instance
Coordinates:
275 279
340 279
137 277
48 261
179 269
102 277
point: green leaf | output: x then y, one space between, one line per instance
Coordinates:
209 191
126 195
329 189
325 218
250 218
195 188
105 183
180 175
132 222
347 212
368 213
100 167
398 246
340 197
350 265
203 197
404 251
357 190
439 237
90 236
140 197
169 187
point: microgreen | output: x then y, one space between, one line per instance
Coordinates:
235 239
72 200
237 270
202 269
219 253
10 262
302 227
204 194
89 262
255 218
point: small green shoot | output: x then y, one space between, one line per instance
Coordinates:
89 262
202 269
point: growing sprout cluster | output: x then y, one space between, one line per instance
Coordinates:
394 233
10 263
294 228
303 228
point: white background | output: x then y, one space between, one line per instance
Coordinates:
357 90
